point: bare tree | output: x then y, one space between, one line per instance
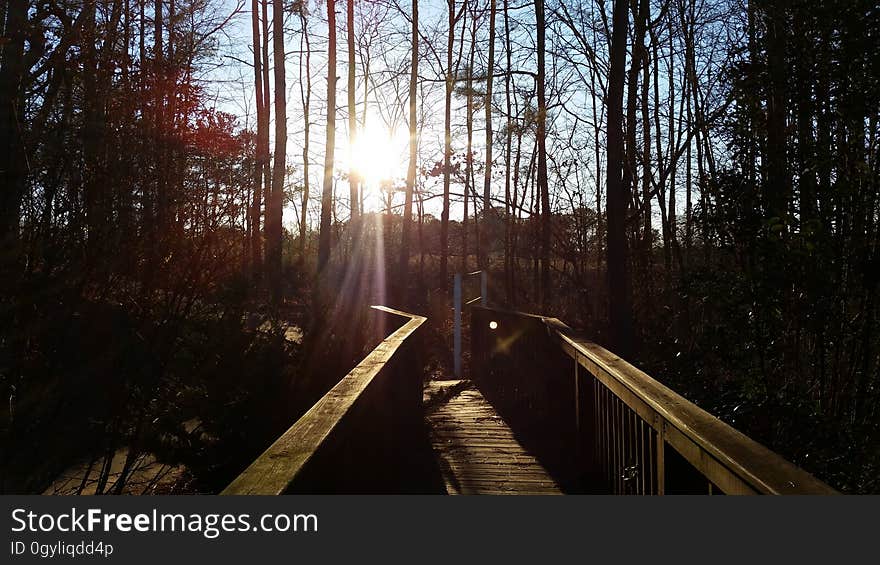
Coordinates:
543 186
451 73
262 132
324 241
274 212
413 145
305 92
352 117
618 193
469 152
487 238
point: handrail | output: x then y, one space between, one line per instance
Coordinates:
277 468
731 461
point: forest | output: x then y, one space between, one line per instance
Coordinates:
200 198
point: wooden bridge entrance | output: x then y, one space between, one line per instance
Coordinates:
545 411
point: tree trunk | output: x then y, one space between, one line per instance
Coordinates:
306 97
508 149
619 306
469 154
413 146
487 239
267 115
352 121
273 219
644 16
777 190
324 241
259 164
543 188
447 145
11 122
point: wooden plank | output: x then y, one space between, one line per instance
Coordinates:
477 452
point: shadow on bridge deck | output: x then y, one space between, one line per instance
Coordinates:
476 450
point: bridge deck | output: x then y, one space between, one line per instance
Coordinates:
477 451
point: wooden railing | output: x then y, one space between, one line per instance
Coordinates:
354 439
602 425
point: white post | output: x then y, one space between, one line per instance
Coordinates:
484 288
456 339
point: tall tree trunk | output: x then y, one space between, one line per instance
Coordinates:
805 112
158 228
600 224
92 185
306 97
632 149
673 144
619 304
324 241
469 156
644 15
689 123
661 184
487 239
777 190
267 115
447 144
413 146
543 187
631 156
259 164
273 219
11 123
352 120
508 148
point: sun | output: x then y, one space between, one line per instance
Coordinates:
378 155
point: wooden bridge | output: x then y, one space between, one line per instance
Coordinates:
544 411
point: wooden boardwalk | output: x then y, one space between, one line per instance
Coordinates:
476 450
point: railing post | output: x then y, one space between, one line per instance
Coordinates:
456 339
578 431
484 288
661 455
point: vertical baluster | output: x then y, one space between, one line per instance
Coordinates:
661 457
625 448
597 430
608 456
577 417
600 401
621 438
600 405
617 444
652 445
612 454
612 438
621 443
633 446
642 458
637 451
